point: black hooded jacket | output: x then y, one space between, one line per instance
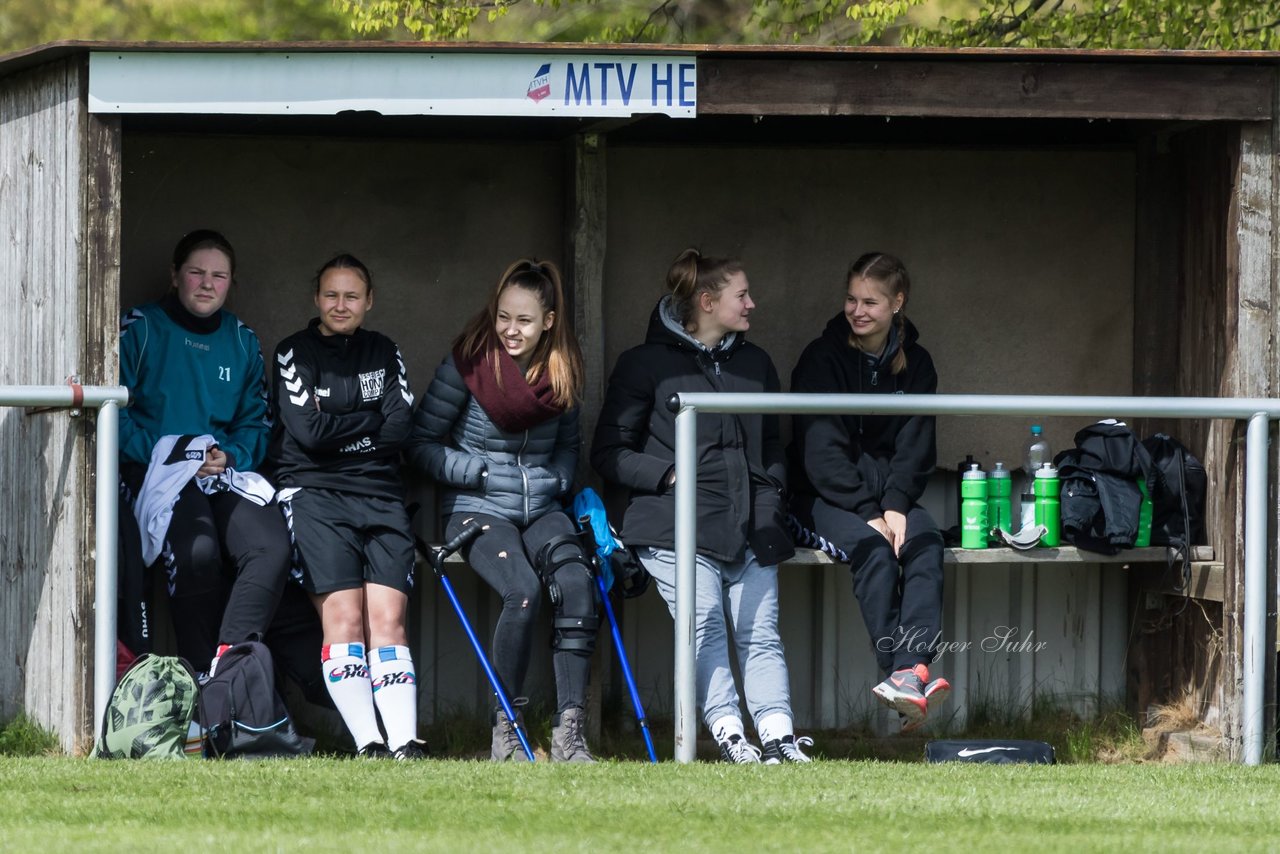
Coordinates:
741 469
865 464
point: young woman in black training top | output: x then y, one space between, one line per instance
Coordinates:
342 410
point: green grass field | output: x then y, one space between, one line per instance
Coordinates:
313 805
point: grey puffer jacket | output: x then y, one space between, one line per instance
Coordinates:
516 476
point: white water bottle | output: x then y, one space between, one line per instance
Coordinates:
1037 454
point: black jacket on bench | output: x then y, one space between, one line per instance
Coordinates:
865 464
741 469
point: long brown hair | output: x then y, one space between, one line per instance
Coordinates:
557 353
890 272
691 275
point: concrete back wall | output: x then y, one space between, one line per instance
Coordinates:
1022 261
435 223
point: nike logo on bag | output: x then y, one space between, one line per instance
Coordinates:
969 751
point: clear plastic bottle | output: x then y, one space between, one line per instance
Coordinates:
1037 454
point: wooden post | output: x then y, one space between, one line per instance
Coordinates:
585 231
1250 280
100 354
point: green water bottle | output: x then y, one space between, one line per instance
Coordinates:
999 502
973 508
1049 505
1144 517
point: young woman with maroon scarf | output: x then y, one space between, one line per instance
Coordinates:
498 427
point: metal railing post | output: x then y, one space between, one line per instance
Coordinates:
1257 411
1255 580
686 543
106 512
107 400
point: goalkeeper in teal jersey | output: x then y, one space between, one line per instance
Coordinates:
192 369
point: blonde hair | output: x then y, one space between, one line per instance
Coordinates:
891 273
557 353
691 274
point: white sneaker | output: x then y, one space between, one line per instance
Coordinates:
782 751
738 750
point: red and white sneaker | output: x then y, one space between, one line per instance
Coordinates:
903 691
936 691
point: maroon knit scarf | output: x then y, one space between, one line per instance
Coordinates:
515 406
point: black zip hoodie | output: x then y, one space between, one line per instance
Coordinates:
865 464
342 410
740 457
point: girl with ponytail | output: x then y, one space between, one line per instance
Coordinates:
697 342
498 428
857 479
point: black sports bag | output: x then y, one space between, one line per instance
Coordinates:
992 751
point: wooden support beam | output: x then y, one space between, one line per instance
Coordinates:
586 224
1250 267
1205 582
99 288
984 88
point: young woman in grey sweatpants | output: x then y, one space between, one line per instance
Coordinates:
696 342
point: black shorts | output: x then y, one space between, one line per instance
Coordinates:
342 540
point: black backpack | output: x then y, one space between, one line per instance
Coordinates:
1178 485
242 713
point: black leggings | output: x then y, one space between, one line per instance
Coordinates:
900 596
504 556
214 601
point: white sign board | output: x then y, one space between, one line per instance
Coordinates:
410 83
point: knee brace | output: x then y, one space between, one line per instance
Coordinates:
574 618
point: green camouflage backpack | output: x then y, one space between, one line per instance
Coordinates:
150 711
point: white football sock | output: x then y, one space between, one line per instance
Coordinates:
774 727
395 691
346 675
726 726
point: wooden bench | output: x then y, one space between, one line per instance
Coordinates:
1206 580
1004 554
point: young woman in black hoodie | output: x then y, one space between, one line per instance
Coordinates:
857 479
697 342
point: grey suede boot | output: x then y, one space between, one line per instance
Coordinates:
506 744
568 741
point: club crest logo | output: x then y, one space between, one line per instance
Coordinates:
371 384
540 85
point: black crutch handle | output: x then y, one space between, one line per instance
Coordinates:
437 554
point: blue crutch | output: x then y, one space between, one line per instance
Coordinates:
588 500
436 556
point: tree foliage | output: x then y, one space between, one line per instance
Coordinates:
24 23
1165 24
1133 24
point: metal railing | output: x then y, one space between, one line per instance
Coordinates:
1255 410
107 400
